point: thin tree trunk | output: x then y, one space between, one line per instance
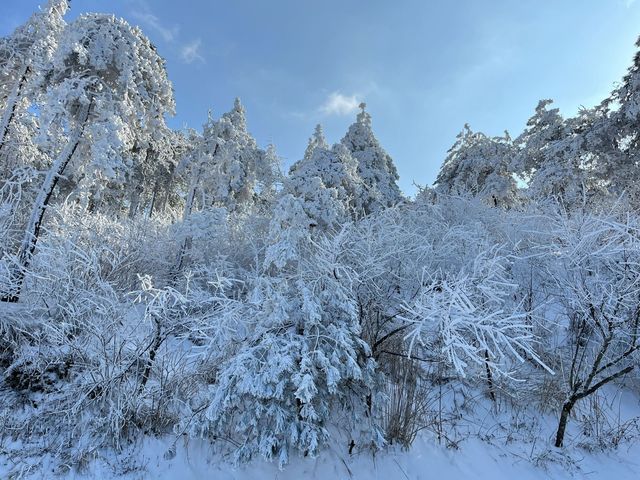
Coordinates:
12 104
138 189
186 245
134 201
587 390
154 195
32 232
153 350
492 392
188 207
564 418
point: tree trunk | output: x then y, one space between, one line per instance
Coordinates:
134 201
154 196
186 244
138 189
153 350
32 232
12 104
564 418
188 207
492 392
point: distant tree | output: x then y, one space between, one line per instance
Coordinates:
327 182
479 165
227 168
317 140
555 156
234 156
375 166
320 194
150 176
269 177
165 181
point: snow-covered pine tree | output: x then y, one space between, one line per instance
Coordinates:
269 177
317 140
327 182
235 161
375 166
616 135
234 155
555 158
24 58
321 193
227 169
479 165
302 359
106 85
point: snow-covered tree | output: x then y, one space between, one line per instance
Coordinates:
320 194
302 358
25 56
375 166
557 156
317 140
591 268
226 169
290 231
234 163
234 157
615 135
106 85
269 177
478 165
327 183
470 319
164 182
106 61
151 176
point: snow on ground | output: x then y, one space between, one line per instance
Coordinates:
474 460
505 446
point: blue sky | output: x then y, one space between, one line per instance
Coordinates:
423 67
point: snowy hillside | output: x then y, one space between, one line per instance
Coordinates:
174 305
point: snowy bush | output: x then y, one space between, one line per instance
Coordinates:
469 320
301 358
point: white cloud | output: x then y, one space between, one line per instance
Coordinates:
151 21
339 104
190 52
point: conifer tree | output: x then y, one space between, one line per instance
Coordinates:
25 56
106 85
317 140
375 166
479 165
555 157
